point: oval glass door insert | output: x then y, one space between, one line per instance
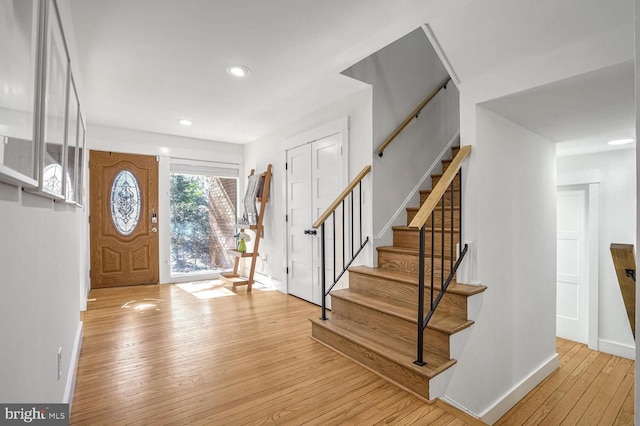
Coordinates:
125 202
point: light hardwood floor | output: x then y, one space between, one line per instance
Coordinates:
160 355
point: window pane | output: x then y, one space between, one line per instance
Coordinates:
203 216
125 202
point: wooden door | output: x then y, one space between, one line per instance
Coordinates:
314 177
123 219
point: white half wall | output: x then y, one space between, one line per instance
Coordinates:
617 224
43 275
270 150
509 189
40 260
637 80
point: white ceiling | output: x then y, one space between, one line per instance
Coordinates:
580 113
147 63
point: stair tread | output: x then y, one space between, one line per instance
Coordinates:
415 209
412 279
403 250
444 323
386 346
414 229
428 191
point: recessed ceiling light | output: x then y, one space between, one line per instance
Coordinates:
239 71
185 122
620 141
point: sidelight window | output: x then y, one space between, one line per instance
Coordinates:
203 207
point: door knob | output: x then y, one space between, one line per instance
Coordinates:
154 229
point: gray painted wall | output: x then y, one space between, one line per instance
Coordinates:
402 75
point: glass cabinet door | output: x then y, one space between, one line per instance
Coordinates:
19 41
55 103
72 143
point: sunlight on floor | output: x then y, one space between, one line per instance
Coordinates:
143 305
206 289
212 289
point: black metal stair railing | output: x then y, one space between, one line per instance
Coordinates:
427 210
342 232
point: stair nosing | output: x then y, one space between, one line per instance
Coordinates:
412 279
433 324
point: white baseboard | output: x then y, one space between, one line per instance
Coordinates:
511 398
618 349
269 281
73 367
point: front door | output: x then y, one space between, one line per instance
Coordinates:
314 178
123 219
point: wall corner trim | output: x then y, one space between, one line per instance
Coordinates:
431 35
511 398
73 367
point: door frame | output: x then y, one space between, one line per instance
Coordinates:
341 126
93 155
590 180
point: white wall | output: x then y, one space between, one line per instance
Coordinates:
40 303
43 272
517 372
102 138
617 224
511 175
637 80
269 150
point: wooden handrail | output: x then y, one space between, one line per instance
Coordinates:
410 117
438 192
341 197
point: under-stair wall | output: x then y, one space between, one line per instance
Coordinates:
509 220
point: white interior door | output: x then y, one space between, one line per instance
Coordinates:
299 214
314 178
326 181
572 286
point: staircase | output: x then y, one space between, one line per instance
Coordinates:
374 321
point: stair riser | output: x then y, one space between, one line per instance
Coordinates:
381 365
436 178
411 239
438 217
409 263
434 341
447 197
451 303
